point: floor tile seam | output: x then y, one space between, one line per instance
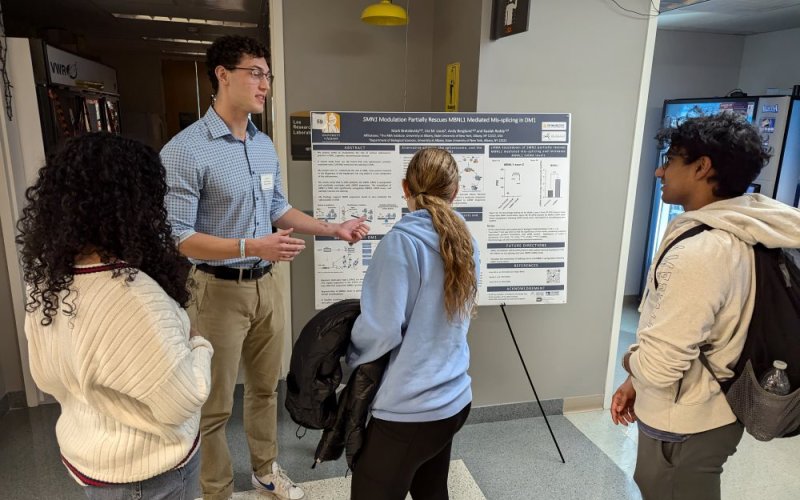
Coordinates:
616 461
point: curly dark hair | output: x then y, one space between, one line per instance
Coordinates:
98 193
228 50
733 145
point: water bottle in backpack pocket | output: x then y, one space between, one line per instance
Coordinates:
765 414
775 380
773 334
760 392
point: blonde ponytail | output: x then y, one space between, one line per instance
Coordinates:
432 178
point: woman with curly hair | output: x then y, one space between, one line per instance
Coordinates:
416 304
107 333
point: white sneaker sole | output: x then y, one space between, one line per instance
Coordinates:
268 494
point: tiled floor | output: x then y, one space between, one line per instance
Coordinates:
461 486
495 460
491 460
757 470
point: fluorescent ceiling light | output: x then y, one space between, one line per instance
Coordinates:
177 40
667 5
183 53
185 20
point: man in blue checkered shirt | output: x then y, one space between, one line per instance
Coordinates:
225 196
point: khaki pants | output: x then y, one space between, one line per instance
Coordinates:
244 321
685 471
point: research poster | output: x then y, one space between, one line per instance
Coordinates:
513 193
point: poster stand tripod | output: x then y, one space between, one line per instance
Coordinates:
519 353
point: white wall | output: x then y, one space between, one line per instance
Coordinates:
3 390
770 60
10 368
587 61
457 30
8 328
21 156
685 64
334 61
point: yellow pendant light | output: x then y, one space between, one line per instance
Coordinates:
385 14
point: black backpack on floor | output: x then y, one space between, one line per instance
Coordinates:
774 333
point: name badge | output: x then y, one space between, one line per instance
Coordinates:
267 182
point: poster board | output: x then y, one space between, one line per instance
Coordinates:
513 193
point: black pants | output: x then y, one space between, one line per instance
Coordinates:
402 457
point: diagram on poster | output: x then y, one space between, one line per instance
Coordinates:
513 194
333 257
470 170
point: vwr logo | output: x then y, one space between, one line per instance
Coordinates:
70 70
769 108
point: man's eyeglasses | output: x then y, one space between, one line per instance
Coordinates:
256 73
669 158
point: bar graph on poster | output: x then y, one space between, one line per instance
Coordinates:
513 194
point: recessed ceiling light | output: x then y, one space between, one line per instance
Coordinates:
185 20
177 40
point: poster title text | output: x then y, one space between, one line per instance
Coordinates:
516 120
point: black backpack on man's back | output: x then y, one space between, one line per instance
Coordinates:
774 333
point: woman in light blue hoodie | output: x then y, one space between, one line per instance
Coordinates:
416 303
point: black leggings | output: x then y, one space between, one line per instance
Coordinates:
402 457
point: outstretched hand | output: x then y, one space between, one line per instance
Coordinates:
352 230
278 246
622 404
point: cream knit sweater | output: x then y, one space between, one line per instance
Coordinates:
129 379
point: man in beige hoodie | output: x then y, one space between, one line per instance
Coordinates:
705 297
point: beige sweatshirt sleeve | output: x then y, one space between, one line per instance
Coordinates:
694 284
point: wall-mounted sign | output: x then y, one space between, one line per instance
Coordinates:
451 87
509 17
300 134
65 68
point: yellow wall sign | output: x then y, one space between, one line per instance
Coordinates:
451 89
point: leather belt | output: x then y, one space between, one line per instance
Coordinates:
236 273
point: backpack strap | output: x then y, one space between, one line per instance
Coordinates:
686 234
704 360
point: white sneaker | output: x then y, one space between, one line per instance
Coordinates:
277 484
